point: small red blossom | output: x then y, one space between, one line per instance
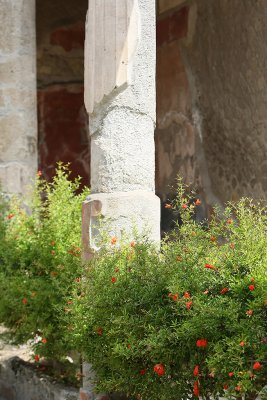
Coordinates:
251 287
69 302
10 216
224 290
197 202
37 357
142 371
229 221
114 240
24 301
132 244
44 341
189 305
249 312
184 206
265 303
179 258
252 279
39 173
206 291
201 342
129 346
159 369
238 388
99 331
257 365
187 295
231 374
213 239
167 205
196 389
114 279
78 280
232 245
174 297
242 344
196 370
209 266
225 387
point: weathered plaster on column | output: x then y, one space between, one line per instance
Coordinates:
18 126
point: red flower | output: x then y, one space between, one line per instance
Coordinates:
232 245
142 371
24 301
159 369
113 279
39 173
242 344
44 341
206 291
37 357
201 342
167 205
225 387
229 221
196 370
196 389
224 290
78 280
114 240
184 206
69 301
249 312
132 244
174 297
238 388
251 287
187 295
209 266
265 303
197 202
231 374
10 216
257 365
189 305
99 331
252 279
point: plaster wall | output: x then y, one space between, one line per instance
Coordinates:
62 119
227 71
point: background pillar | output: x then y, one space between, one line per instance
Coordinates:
18 126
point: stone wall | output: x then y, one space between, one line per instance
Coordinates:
62 119
18 128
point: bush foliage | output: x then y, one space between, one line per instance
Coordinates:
40 262
188 319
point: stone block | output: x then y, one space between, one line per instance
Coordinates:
124 213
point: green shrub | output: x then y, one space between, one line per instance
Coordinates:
40 263
188 320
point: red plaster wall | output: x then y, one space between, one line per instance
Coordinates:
63 133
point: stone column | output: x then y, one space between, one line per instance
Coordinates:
18 116
120 54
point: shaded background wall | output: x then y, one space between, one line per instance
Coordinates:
62 118
211 96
